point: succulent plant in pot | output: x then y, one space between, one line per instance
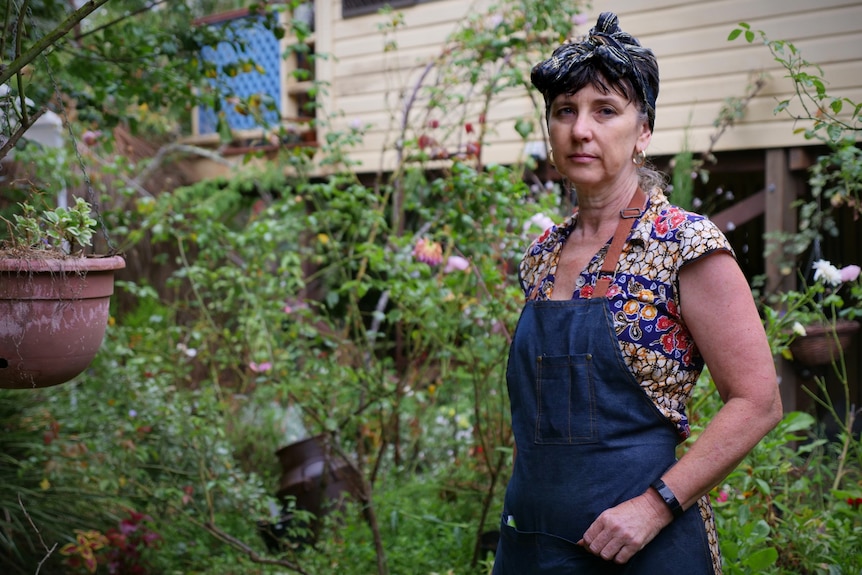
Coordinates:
54 298
61 232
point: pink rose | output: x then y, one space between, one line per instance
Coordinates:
260 367
849 273
456 263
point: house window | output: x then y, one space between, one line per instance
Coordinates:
358 7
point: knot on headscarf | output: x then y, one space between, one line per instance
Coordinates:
614 52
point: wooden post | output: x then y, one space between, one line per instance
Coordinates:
781 190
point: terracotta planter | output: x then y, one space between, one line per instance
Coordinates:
822 343
53 315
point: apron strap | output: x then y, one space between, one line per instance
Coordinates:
635 210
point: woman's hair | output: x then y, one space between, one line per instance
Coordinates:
609 60
606 58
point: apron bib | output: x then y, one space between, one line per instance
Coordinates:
588 438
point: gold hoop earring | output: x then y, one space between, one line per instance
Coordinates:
639 158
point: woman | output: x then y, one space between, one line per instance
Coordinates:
626 299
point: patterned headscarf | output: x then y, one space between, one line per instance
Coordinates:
609 50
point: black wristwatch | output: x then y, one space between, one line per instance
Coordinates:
668 497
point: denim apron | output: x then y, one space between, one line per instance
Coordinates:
588 438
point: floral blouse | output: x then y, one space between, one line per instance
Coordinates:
643 297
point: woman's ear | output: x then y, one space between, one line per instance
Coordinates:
645 136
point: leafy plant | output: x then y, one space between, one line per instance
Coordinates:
121 62
58 231
120 549
820 303
39 511
836 122
789 507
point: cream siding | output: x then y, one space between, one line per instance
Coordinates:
699 68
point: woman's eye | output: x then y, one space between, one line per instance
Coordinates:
607 111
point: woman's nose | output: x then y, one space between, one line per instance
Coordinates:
581 127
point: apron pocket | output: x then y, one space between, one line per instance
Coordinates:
565 400
522 553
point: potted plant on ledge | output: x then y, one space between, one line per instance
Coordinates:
817 324
53 297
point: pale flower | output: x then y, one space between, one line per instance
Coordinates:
91 137
799 329
456 263
849 273
539 220
260 367
494 20
827 273
188 351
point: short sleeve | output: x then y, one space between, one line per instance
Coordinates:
701 237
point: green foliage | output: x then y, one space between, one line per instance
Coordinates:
399 361
398 358
378 313
128 59
789 507
58 231
420 538
489 56
831 117
146 441
836 122
36 514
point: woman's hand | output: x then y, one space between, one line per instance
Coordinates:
621 531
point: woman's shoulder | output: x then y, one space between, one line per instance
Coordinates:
669 218
695 233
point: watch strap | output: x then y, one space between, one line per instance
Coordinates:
669 498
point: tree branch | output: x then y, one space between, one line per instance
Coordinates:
13 139
253 555
49 39
163 152
19 34
49 551
119 19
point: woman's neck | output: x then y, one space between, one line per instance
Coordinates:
599 211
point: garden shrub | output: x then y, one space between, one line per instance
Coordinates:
377 313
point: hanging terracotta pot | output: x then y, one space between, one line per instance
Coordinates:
822 344
53 315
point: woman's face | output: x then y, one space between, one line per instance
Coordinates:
594 137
